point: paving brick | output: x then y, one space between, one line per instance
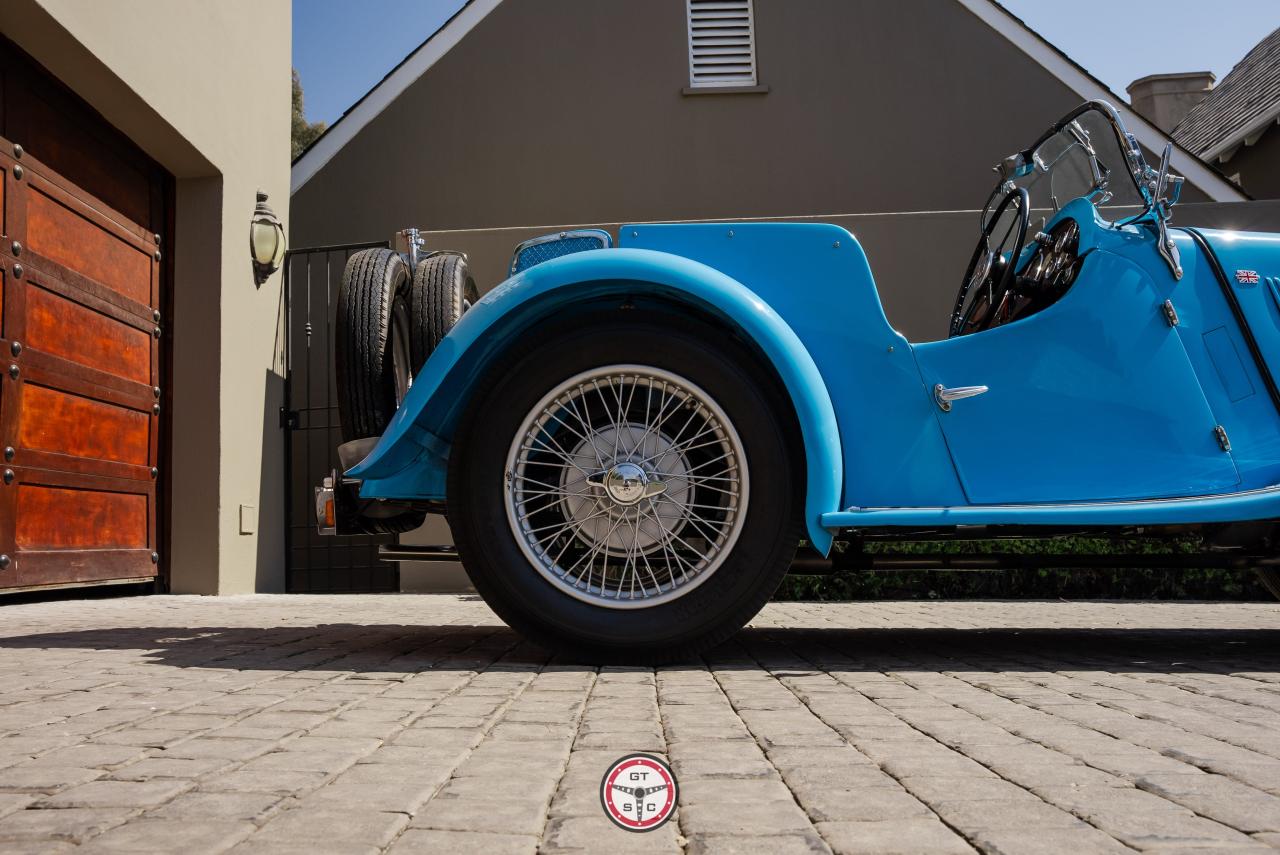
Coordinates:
868 804
300 761
1078 775
598 834
332 827
506 816
524 787
727 818
73 824
48 847
894 837
1166 830
340 714
418 840
836 776
824 757
10 802
218 748
224 806
795 843
373 774
191 837
283 782
973 816
92 755
1218 797
36 777
167 767
109 794
746 791
931 789
739 766
1046 841
1086 801
143 737
390 795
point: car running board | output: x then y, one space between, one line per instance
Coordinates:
407 552
1259 504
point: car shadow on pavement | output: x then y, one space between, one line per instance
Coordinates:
404 649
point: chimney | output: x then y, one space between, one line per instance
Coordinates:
1165 99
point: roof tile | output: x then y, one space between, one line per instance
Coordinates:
1248 96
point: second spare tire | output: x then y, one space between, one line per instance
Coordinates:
442 290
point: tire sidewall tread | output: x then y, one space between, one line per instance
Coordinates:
440 285
366 392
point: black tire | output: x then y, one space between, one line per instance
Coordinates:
363 340
679 628
442 290
1270 579
371 356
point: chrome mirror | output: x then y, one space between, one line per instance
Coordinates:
1168 187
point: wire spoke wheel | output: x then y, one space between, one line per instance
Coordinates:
626 486
599 490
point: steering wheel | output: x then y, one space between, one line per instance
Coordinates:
991 265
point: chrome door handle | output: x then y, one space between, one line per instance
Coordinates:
945 396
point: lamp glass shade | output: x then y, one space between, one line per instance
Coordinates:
268 243
280 246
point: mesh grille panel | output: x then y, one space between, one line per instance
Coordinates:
547 250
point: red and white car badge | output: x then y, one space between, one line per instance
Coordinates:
639 792
1247 277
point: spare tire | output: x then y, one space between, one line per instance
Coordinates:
373 367
372 341
442 290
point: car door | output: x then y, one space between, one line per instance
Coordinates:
1093 398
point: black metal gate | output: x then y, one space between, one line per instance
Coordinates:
316 564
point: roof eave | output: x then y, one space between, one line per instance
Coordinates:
381 96
1247 135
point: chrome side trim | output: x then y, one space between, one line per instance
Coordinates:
1257 504
1257 491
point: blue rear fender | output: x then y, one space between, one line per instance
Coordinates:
410 460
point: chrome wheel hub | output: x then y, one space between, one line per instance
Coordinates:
613 510
626 483
626 486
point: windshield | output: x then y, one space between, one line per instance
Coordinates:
1082 155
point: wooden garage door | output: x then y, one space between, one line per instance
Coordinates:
80 389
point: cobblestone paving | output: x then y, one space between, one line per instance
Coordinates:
421 724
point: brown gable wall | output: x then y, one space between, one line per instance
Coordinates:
1258 166
568 111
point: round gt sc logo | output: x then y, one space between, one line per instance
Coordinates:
639 792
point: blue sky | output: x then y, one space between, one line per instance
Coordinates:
342 49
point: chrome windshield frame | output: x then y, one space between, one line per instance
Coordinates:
1158 189
1143 176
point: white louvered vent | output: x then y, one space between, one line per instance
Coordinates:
722 43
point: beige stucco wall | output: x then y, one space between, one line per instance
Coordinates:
202 87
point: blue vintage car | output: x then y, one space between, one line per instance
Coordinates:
630 442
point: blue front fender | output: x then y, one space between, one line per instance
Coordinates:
409 461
